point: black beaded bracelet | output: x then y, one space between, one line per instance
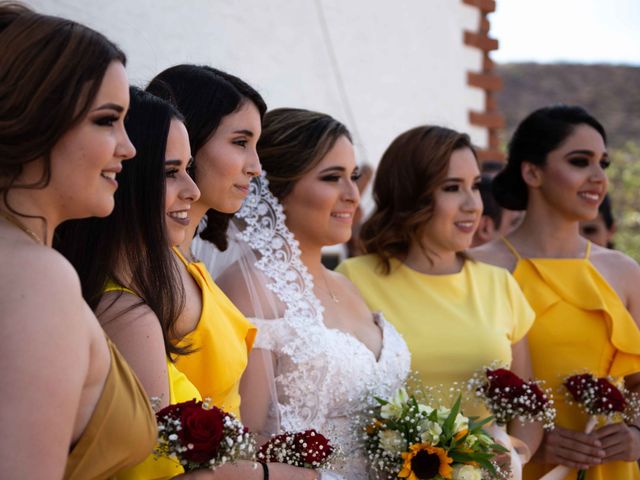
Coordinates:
265 471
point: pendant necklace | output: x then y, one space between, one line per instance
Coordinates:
333 296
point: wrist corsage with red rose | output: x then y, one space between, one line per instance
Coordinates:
507 397
308 449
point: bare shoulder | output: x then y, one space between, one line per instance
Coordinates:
616 260
135 329
621 272
38 282
246 288
494 253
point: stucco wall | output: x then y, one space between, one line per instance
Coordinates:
379 66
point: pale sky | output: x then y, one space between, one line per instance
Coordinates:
579 31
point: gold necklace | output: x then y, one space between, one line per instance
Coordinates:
333 296
17 223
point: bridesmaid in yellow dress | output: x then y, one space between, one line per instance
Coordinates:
457 315
71 407
223 116
585 297
141 304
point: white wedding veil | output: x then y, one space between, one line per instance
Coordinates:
263 275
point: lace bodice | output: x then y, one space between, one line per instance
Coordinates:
329 390
324 378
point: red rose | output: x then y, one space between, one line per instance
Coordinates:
313 447
581 387
503 386
202 429
270 451
609 398
536 396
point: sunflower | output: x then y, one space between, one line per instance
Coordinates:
424 461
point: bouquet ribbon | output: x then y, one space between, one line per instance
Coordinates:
519 450
559 472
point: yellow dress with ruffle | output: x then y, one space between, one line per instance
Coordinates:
180 390
581 326
221 342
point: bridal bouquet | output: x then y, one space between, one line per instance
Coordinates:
202 436
507 396
308 449
408 439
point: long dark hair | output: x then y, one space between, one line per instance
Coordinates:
205 96
410 171
539 133
51 70
134 235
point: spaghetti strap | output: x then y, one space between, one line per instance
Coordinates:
588 252
180 256
511 248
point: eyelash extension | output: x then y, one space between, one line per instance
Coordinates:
171 173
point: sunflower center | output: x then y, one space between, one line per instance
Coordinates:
425 465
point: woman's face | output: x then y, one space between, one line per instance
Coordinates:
321 205
86 159
457 206
572 180
181 190
225 164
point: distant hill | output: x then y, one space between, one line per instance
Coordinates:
610 92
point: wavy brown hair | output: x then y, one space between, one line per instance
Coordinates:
51 69
410 171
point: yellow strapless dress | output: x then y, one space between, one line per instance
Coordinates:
581 326
121 431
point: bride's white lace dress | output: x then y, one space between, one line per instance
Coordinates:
324 378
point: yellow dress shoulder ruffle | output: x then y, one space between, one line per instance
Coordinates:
221 341
581 326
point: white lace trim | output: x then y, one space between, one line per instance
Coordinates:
265 231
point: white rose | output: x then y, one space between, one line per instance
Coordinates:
460 423
443 413
431 432
392 441
470 441
424 409
393 409
466 472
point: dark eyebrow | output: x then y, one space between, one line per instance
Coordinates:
176 162
584 152
461 180
110 106
333 169
244 131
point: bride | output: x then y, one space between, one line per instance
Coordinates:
320 355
